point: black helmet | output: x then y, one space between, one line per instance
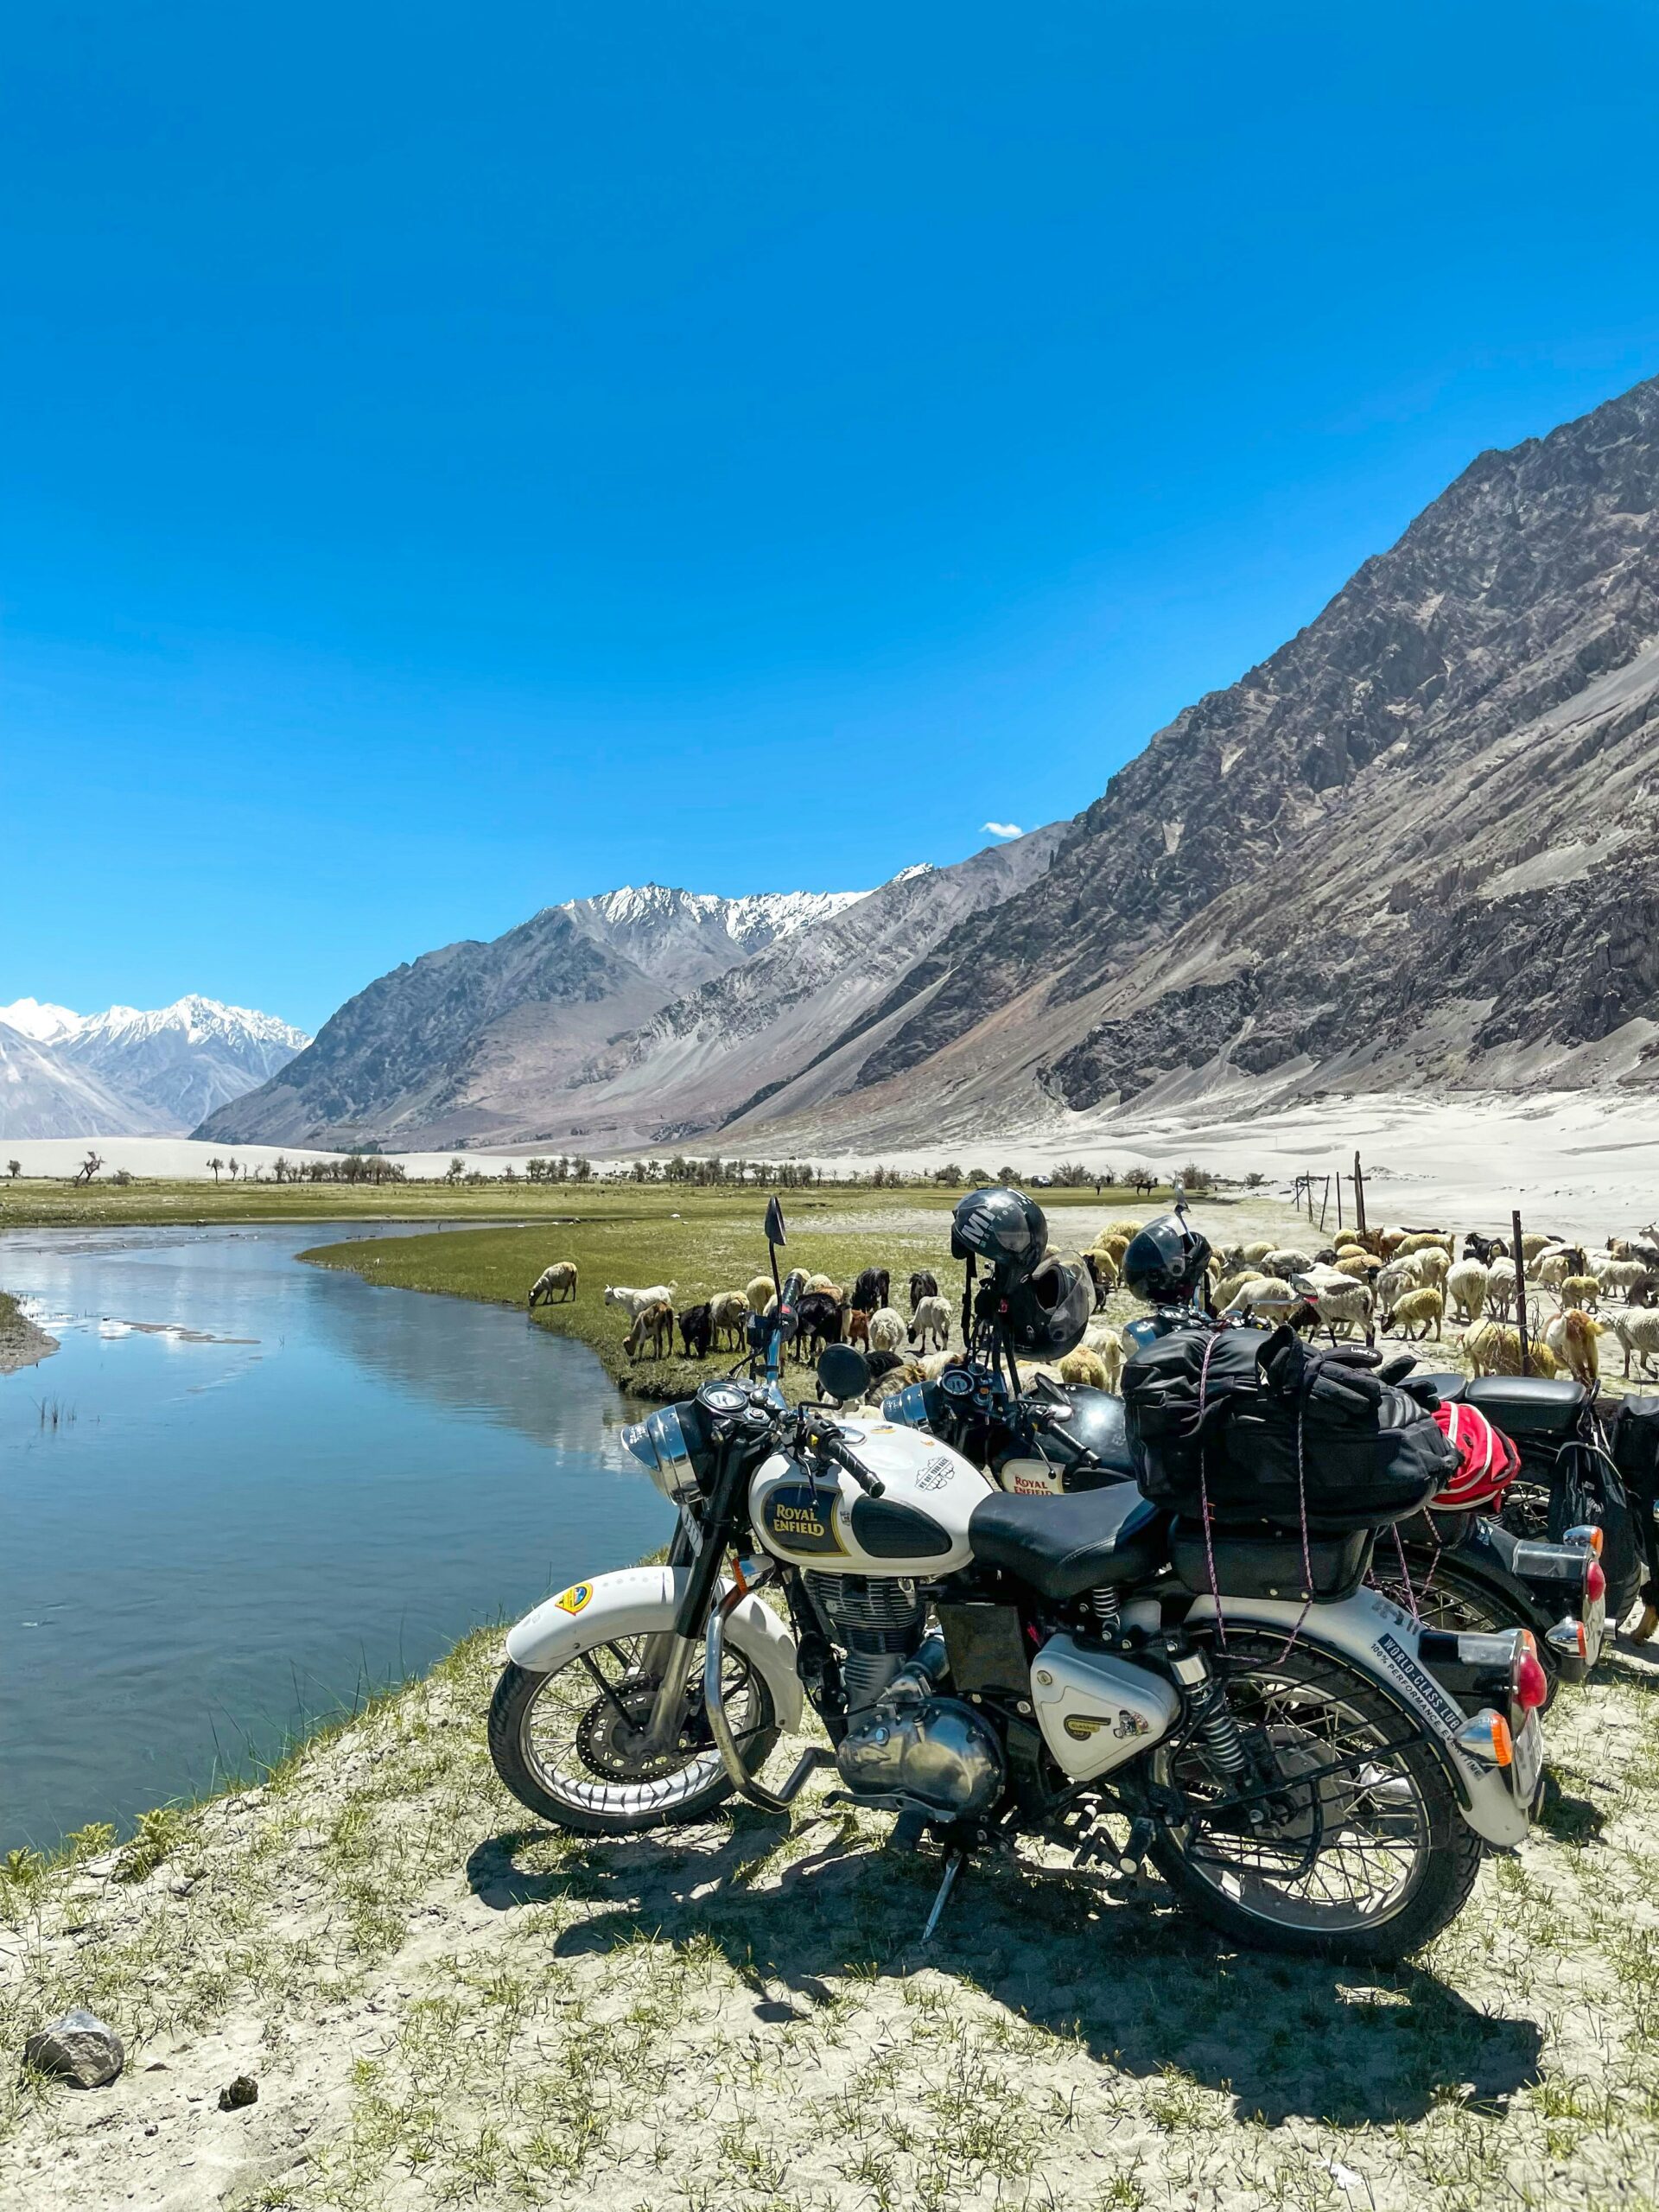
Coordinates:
1166 1263
1004 1228
1049 1309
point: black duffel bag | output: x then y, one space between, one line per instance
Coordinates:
1258 1427
1635 1443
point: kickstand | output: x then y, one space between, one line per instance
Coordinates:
953 1866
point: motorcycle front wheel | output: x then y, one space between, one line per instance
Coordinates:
1359 1850
568 1744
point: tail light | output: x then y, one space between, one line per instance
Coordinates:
1487 1737
1530 1684
1595 1579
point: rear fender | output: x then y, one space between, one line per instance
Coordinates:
1384 1643
643 1601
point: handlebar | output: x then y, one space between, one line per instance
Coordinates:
832 1448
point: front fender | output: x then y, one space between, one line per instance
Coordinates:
643 1601
1382 1641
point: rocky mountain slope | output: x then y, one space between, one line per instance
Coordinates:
131 1072
479 1042
1418 844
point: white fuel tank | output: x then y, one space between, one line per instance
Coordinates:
917 1527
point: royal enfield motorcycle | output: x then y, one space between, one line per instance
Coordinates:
1316 1777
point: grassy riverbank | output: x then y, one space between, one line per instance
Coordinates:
444 2003
702 1242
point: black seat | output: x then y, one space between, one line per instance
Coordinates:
1093 1540
1526 1405
1448 1388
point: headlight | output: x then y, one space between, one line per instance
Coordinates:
659 1443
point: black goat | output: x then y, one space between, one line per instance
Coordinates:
922 1285
870 1291
817 1322
697 1329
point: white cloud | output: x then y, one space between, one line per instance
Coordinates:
1003 829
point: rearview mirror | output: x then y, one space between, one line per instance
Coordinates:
843 1372
775 1223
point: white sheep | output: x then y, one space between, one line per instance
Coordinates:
932 1319
1284 1262
1399 1276
1338 1301
561 1276
1637 1331
825 1287
1492 1349
759 1294
887 1329
1500 1285
1425 1240
1621 1275
1106 1345
1466 1285
634 1302
729 1310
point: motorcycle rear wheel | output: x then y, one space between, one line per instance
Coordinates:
564 1743
1394 1861
1445 1597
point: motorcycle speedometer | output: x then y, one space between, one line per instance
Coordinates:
957 1382
723 1400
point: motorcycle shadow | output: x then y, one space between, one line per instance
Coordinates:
1116 1971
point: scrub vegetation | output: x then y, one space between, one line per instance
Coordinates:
444 2004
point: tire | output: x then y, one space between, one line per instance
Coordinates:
1448 1597
1212 1871
686 1786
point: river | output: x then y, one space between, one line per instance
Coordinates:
246 1492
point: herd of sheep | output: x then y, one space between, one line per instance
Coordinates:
1392 1282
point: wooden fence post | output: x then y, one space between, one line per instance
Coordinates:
1520 1292
1359 1198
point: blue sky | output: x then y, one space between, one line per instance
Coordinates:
456 460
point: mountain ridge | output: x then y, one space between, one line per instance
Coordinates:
132 1071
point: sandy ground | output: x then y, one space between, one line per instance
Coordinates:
23 1343
1585 1163
444 2003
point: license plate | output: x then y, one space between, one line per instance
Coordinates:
1529 1765
693 1528
1595 1626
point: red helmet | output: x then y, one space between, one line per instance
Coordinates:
1487 1462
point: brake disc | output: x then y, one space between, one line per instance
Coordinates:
612 1747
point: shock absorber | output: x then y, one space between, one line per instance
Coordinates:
1105 1605
1216 1725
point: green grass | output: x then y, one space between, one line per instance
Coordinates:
700 1241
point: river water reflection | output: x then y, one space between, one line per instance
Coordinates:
245 1490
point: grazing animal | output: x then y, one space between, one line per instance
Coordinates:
1107 1346
922 1285
1104 1273
1285 1262
1536 1241
1248 1289
697 1329
887 1329
654 1323
1399 1276
760 1291
817 1322
907 1371
829 1289
1500 1291
882 1365
1582 1291
635 1301
870 1291
1254 1254
1621 1275
1465 1285
857 1326
1484 1248
1425 1240
727 1311
561 1276
1426 1307
1638 1333
931 1319
1572 1338
1362 1265
1494 1349
1339 1303
1645 1291
1083 1370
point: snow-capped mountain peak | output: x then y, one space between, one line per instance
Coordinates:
197 1020
39 1019
682 938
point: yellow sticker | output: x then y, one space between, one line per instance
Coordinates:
573 1600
